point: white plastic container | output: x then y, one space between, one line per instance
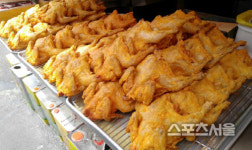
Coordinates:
244 31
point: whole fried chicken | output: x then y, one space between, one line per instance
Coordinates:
83 9
73 76
65 11
88 32
180 26
103 99
149 125
172 22
55 12
40 51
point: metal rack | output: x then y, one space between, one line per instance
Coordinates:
239 112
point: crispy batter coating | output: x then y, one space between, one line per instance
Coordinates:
56 14
28 33
217 44
203 101
16 23
78 33
70 69
103 99
148 125
128 49
64 11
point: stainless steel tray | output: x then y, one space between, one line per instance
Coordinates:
4 41
239 113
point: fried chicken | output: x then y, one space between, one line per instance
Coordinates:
217 44
78 33
148 125
172 22
73 76
128 49
180 26
65 11
203 101
40 51
28 33
167 70
237 65
23 28
16 23
71 70
88 32
103 99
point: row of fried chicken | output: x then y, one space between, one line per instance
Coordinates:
201 102
39 21
175 69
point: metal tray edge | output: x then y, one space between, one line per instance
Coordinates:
245 119
36 73
108 140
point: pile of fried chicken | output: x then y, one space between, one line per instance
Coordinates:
174 69
39 22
